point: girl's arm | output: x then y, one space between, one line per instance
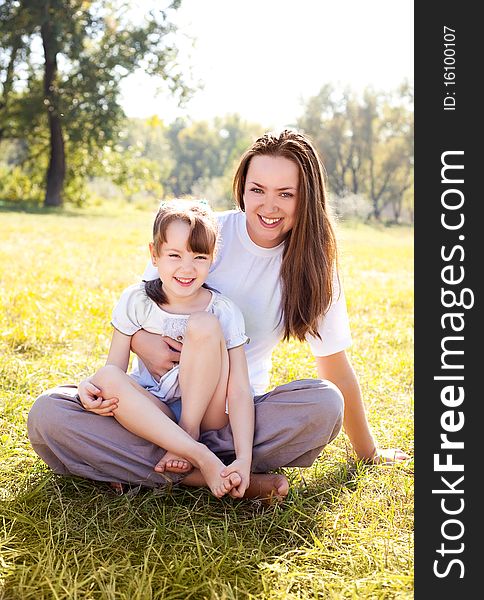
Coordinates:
118 354
241 417
89 394
337 369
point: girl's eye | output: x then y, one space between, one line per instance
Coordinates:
257 190
287 195
201 257
174 255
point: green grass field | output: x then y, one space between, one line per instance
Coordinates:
345 530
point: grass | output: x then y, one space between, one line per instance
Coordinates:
345 531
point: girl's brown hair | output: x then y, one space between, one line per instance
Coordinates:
201 239
310 257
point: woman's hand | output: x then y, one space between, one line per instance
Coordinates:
242 467
158 353
92 401
388 456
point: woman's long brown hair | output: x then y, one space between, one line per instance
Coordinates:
310 257
202 237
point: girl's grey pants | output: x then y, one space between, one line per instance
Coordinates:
293 423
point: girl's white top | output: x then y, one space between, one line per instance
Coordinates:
135 311
249 275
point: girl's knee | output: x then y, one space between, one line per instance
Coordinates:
203 325
108 380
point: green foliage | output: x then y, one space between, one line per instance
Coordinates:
366 143
205 154
89 47
344 532
16 185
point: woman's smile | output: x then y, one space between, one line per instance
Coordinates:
270 223
270 199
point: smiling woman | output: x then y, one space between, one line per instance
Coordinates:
269 207
289 204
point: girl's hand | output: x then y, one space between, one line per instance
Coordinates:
242 467
92 401
158 353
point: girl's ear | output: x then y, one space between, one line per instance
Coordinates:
154 257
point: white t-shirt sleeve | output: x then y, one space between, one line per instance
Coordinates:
334 327
128 314
151 272
231 321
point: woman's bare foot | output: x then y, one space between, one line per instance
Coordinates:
268 487
117 487
174 464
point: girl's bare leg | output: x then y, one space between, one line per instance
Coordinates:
204 372
144 415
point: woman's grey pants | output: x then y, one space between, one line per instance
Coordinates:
293 423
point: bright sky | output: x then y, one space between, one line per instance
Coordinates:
260 58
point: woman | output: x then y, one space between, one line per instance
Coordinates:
277 262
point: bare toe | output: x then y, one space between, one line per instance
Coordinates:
178 466
282 487
235 479
161 466
117 487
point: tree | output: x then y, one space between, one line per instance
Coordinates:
88 48
204 154
388 145
366 143
332 118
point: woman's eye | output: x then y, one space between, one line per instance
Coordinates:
257 190
287 195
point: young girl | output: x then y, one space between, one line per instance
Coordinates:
178 305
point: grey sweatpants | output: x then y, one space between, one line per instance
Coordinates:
293 423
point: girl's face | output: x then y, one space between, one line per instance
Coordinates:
270 198
182 271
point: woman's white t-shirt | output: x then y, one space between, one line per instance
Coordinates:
249 276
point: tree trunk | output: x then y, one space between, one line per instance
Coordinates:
57 164
7 88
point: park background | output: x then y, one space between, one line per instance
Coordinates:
108 107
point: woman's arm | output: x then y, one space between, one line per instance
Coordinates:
337 369
157 352
241 416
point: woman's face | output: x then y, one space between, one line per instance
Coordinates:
270 198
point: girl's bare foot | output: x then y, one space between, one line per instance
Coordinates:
211 467
268 487
174 464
